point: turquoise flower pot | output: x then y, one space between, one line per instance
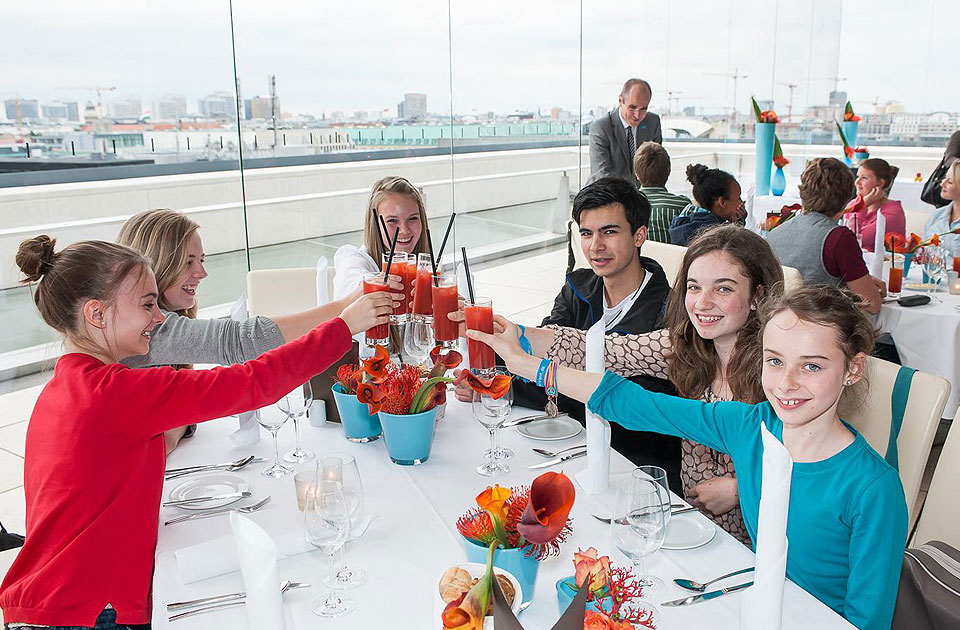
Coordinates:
409 437
763 145
513 560
907 259
850 131
358 424
566 591
779 183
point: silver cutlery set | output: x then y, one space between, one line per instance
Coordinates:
219 602
558 457
174 473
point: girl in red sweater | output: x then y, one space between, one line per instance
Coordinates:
93 471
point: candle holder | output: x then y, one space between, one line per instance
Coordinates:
953 282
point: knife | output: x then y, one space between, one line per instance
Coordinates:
528 419
234 495
693 599
558 460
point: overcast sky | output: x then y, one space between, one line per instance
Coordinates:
507 55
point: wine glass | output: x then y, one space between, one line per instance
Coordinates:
295 405
499 452
327 524
272 419
491 413
934 266
342 467
637 527
659 475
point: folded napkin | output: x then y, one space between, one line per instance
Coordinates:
876 265
761 606
323 293
219 556
249 430
258 564
596 476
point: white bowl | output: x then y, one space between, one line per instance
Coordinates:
475 569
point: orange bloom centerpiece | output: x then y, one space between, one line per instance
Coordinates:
614 593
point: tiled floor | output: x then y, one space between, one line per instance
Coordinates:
522 288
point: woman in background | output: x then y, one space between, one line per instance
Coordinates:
874 180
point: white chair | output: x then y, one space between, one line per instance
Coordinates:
791 278
272 292
915 219
940 515
872 416
574 250
669 257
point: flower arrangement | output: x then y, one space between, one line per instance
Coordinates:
535 517
894 243
778 160
766 116
348 377
778 218
613 590
847 149
848 115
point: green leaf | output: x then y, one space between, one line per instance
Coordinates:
756 109
843 138
848 109
777 151
423 396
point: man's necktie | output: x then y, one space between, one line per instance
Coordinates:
631 145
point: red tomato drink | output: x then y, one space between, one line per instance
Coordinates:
479 316
445 300
372 283
895 282
409 274
398 268
422 296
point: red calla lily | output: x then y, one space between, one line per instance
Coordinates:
371 395
376 366
494 387
848 151
449 359
551 499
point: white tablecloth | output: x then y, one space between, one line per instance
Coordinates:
927 337
414 539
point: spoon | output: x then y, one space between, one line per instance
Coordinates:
690 585
231 467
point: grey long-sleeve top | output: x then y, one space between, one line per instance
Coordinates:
180 339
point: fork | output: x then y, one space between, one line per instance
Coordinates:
546 453
229 467
235 599
243 510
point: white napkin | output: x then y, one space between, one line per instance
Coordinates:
219 556
258 564
876 265
323 295
249 430
761 606
596 476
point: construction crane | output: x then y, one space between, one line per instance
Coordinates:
791 87
736 76
98 90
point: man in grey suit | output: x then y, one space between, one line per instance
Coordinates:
615 137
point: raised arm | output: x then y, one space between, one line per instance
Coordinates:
627 355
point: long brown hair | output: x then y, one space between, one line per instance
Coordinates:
693 363
883 170
392 185
161 235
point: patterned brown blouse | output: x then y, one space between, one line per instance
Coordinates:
631 355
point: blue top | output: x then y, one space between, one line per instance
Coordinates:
939 222
847 523
690 222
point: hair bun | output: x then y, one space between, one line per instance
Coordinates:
35 257
695 173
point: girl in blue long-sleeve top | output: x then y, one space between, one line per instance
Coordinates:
847 523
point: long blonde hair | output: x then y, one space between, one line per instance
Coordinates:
162 235
392 185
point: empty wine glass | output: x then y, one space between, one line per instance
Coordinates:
637 527
327 524
491 413
271 419
660 476
499 452
295 404
342 467
934 265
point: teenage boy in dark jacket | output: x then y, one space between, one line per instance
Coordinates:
627 290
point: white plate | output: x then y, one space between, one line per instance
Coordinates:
551 429
689 530
208 486
477 570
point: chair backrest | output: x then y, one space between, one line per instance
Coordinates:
669 257
940 517
274 292
575 257
915 220
791 278
872 416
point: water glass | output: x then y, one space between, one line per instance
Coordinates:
491 413
342 467
327 524
658 475
295 405
637 527
271 419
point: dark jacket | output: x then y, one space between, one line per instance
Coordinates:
579 305
685 226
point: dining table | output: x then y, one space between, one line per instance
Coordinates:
413 538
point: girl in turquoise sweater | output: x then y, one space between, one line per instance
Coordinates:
847 523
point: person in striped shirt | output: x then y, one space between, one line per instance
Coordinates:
651 166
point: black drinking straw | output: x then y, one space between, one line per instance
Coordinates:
443 243
466 268
393 246
433 260
381 227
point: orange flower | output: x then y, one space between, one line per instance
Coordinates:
848 151
895 243
371 395
376 366
551 499
595 620
449 359
588 566
493 499
935 239
780 161
850 117
495 387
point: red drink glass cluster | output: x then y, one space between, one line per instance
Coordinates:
479 316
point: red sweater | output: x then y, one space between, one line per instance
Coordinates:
93 472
